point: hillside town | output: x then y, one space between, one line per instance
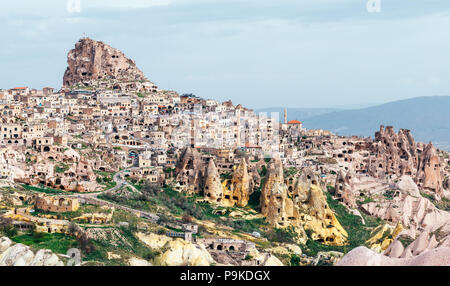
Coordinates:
126 173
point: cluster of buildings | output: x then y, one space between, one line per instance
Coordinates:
63 139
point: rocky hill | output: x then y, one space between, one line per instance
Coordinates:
428 116
91 60
21 255
297 113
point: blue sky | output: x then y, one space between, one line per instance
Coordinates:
294 53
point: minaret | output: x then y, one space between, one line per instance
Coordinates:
238 140
285 116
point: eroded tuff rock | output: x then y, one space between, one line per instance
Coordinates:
184 253
411 243
429 175
408 207
177 252
303 208
383 235
213 189
91 60
344 189
190 170
21 255
315 212
230 192
362 256
397 154
240 185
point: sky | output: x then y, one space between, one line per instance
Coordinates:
260 53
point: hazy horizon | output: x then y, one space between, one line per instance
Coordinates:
261 54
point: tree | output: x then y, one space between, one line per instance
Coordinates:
86 244
187 219
7 227
72 229
150 188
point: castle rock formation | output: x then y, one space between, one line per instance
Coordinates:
92 61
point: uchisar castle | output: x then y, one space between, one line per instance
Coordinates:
112 170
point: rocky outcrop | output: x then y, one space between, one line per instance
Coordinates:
177 252
274 176
316 215
230 192
413 211
275 203
213 189
21 255
264 259
91 61
190 170
410 243
362 256
303 208
407 186
183 253
394 154
429 171
153 240
344 189
382 236
240 184
134 261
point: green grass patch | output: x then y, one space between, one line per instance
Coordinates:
42 189
56 242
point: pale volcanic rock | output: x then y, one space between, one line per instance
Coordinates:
382 236
412 212
240 184
408 207
45 257
21 255
184 253
190 169
273 261
213 189
93 60
255 181
279 206
5 243
429 174
344 189
406 185
395 154
153 240
17 255
274 175
275 203
134 261
286 249
303 208
362 256
432 237
264 259
324 225
395 250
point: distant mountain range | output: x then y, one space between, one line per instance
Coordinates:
298 113
427 117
